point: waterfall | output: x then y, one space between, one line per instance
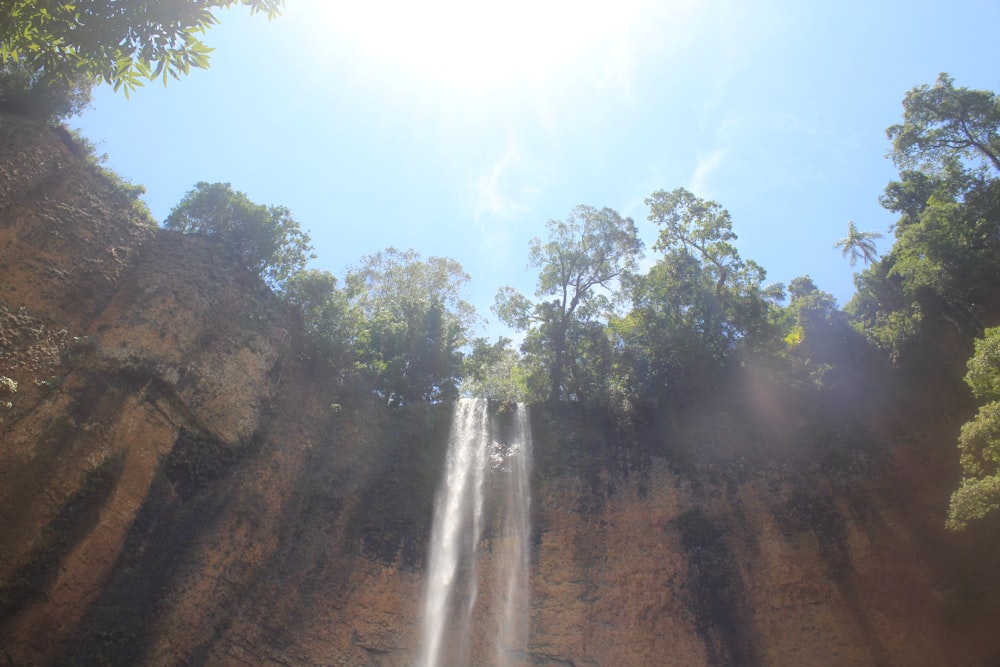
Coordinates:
455 535
516 556
479 459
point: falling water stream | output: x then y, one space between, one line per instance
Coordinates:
479 460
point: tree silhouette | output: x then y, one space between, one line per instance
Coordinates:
942 123
858 244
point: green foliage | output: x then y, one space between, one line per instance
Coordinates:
809 318
266 239
697 233
943 124
121 43
699 307
978 493
396 328
7 385
674 336
979 440
698 226
939 286
881 311
38 94
984 367
496 372
583 259
941 272
412 322
326 318
820 342
951 250
316 295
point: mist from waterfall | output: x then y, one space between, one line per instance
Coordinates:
480 464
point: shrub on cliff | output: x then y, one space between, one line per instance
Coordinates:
266 239
979 441
34 93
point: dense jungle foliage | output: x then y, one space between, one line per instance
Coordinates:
597 330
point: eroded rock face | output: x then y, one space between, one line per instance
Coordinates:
176 488
102 324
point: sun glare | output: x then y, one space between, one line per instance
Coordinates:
474 45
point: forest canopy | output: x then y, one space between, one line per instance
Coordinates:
599 330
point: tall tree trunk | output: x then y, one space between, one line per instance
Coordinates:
556 372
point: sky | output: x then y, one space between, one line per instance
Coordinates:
459 128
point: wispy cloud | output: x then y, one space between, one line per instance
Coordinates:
496 195
505 198
504 195
700 183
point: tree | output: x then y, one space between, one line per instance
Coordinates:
701 231
673 336
495 371
37 94
120 42
858 244
331 330
413 321
692 224
266 239
937 288
942 124
591 249
979 441
819 340
699 306
942 272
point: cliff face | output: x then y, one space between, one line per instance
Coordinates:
179 486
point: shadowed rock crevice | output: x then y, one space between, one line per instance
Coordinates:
74 520
715 592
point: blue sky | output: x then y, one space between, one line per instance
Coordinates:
459 129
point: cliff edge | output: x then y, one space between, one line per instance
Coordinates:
179 486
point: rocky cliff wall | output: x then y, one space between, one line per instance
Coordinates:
178 487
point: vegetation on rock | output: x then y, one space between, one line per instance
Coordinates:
979 441
35 93
266 239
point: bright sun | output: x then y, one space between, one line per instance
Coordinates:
467 44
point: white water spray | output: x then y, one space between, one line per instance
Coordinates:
513 634
452 588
